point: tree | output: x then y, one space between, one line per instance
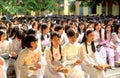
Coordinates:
14 6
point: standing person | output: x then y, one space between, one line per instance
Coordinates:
29 59
88 54
55 58
73 61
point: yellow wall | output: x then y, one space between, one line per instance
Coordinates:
115 10
77 9
66 8
85 11
99 9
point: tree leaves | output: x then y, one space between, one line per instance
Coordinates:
14 6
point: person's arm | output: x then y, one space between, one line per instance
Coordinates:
20 62
67 60
115 38
48 58
63 58
38 65
85 57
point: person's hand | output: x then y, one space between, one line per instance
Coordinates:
63 70
57 68
78 62
106 65
99 67
33 68
1 62
13 54
113 47
38 66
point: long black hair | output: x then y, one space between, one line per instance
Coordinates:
100 32
105 36
43 27
51 48
84 40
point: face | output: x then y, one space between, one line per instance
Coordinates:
72 39
110 22
90 37
81 27
73 26
55 41
53 28
45 31
90 27
3 37
60 31
36 26
98 27
108 29
34 44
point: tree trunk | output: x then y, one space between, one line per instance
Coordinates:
104 7
110 7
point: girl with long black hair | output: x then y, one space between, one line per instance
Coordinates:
55 58
88 54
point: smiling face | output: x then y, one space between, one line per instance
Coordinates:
98 27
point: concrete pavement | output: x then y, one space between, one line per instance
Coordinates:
113 73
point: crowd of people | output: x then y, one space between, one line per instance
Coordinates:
64 46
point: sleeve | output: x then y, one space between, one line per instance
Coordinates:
20 62
85 57
48 58
68 61
6 51
115 38
11 46
96 58
39 57
63 58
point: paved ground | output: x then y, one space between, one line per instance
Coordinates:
113 73
109 73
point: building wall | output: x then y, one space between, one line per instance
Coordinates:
99 9
66 8
115 10
85 10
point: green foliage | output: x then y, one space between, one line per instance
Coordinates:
72 6
14 6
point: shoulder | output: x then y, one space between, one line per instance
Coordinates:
82 44
23 52
65 45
